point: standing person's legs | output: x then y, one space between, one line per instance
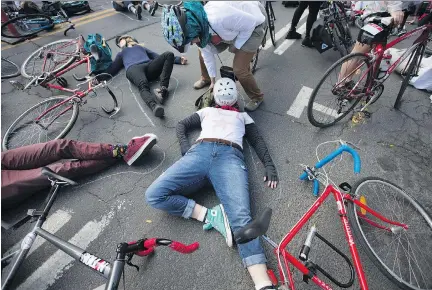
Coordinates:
292 34
314 7
136 74
229 177
241 67
204 81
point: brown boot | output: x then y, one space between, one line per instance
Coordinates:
201 83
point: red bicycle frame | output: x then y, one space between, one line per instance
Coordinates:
340 201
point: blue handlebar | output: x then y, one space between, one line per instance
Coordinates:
330 157
334 154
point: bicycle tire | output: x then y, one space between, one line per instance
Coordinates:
365 242
13 129
9 69
37 54
414 61
23 27
310 115
339 39
270 20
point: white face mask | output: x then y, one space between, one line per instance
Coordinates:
186 48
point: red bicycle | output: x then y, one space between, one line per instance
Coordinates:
359 76
54 118
390 225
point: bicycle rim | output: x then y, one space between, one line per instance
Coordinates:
58 55
404 256
9 69
328 104
26 26
54 125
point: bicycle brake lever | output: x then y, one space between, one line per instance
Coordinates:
129 261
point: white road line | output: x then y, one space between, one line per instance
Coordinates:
59 262
288 42
139 105
53 223
281 33
101 287
302 100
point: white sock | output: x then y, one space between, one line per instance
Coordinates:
202 214
259 276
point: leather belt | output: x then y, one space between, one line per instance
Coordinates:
221 141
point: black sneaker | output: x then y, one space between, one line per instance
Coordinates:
307 42
293 34
158 110
153 7
161 94
138 11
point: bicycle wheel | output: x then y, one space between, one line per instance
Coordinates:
8 69
404 256
414 64
339 39
26 130
26 26
329 103
271 20
51 57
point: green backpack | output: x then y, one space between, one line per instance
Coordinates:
205 100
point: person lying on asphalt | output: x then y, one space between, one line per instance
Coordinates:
143 66
136 7
21 167
217 157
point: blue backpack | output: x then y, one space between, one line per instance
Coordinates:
96 45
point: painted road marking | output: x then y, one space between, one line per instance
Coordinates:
288 42
81 22
302 100
59 262
281 33
54 222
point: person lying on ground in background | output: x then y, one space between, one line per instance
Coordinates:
143 66
21 167
217 157
136 7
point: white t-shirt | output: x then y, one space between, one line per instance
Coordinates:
223 124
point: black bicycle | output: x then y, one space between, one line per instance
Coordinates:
111 271
271 18
336 24
28 25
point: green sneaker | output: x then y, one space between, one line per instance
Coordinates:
216 218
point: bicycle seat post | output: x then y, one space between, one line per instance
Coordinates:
52 195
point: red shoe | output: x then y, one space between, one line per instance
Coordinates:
139 146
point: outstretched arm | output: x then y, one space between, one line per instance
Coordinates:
191 122
115 67
257 142
152 55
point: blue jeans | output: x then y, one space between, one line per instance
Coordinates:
225 168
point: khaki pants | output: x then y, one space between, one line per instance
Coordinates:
241 67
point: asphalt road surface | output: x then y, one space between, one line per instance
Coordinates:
109 207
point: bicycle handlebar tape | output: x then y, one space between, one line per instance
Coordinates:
334 154
184 249
143 253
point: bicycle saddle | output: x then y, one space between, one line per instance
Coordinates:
255 229
48 172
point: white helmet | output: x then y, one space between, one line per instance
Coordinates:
225 92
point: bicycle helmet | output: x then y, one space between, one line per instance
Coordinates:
125 36
225 92
173 22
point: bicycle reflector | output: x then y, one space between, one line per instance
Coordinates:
363 201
